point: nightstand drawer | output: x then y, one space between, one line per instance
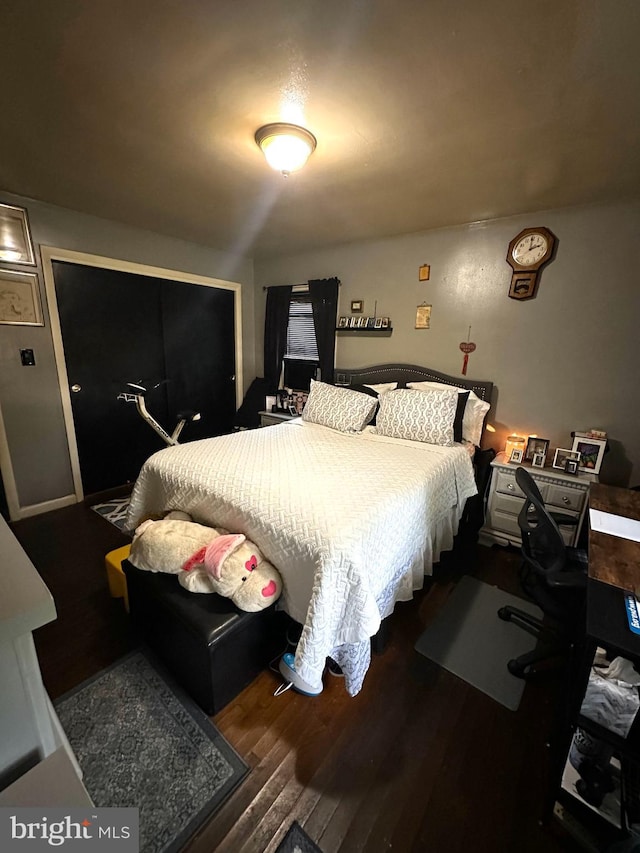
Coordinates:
267 420
507 504
274 418
506 485
566 497
504 518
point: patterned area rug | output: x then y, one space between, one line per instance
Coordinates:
297 841
114 511
142 743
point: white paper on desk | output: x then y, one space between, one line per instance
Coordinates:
614 525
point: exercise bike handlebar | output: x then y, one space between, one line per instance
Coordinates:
137 396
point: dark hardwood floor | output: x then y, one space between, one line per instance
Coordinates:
419 761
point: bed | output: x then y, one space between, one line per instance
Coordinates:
352 520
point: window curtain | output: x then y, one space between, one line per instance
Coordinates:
276 321
324 302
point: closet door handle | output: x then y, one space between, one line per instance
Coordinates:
76 388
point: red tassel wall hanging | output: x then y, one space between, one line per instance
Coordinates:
466 347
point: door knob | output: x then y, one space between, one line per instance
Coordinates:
76 388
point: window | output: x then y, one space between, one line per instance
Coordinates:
301 333
301 356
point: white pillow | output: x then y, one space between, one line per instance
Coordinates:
418 415
474 411
338 408
382 387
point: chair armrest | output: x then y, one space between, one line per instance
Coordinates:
559 580
560 518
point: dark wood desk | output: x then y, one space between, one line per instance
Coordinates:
613 560
614 566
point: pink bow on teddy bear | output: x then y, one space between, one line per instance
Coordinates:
212 557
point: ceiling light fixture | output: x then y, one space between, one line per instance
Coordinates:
286 147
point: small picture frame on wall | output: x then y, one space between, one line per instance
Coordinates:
371 322
343 322
516 457
20 299
357 306
15 239
353 322
385 322
378 323
362 322
423 316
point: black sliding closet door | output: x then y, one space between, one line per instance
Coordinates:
199 350
120 327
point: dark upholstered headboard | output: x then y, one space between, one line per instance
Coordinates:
403 373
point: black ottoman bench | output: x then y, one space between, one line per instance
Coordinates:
211 648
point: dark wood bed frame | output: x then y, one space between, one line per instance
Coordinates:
403 373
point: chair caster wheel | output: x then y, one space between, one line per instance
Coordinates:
517 669
504 614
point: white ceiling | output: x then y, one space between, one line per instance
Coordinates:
428 113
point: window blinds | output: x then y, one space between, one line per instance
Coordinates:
301 334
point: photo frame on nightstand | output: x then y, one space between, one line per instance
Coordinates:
562 455
536 445
571 466
516 457
538 460
591 451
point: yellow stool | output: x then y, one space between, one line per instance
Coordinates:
115 575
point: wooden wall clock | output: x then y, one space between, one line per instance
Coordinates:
528 252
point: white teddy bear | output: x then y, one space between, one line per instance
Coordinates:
207 560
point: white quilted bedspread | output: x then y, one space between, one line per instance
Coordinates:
352 522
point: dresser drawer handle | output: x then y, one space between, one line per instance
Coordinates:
565 500
510 487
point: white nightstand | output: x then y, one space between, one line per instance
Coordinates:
562 492
272 418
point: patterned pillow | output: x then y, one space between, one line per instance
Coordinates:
474 411
418 415
338 408
374 391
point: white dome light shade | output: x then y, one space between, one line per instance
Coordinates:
286 147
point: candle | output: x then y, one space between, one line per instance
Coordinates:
514 442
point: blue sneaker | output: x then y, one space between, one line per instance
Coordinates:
287 669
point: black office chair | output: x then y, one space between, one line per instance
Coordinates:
552 574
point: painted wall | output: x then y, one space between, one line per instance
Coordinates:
29 396
565 360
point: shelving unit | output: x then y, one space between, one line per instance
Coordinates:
386 331
597 827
